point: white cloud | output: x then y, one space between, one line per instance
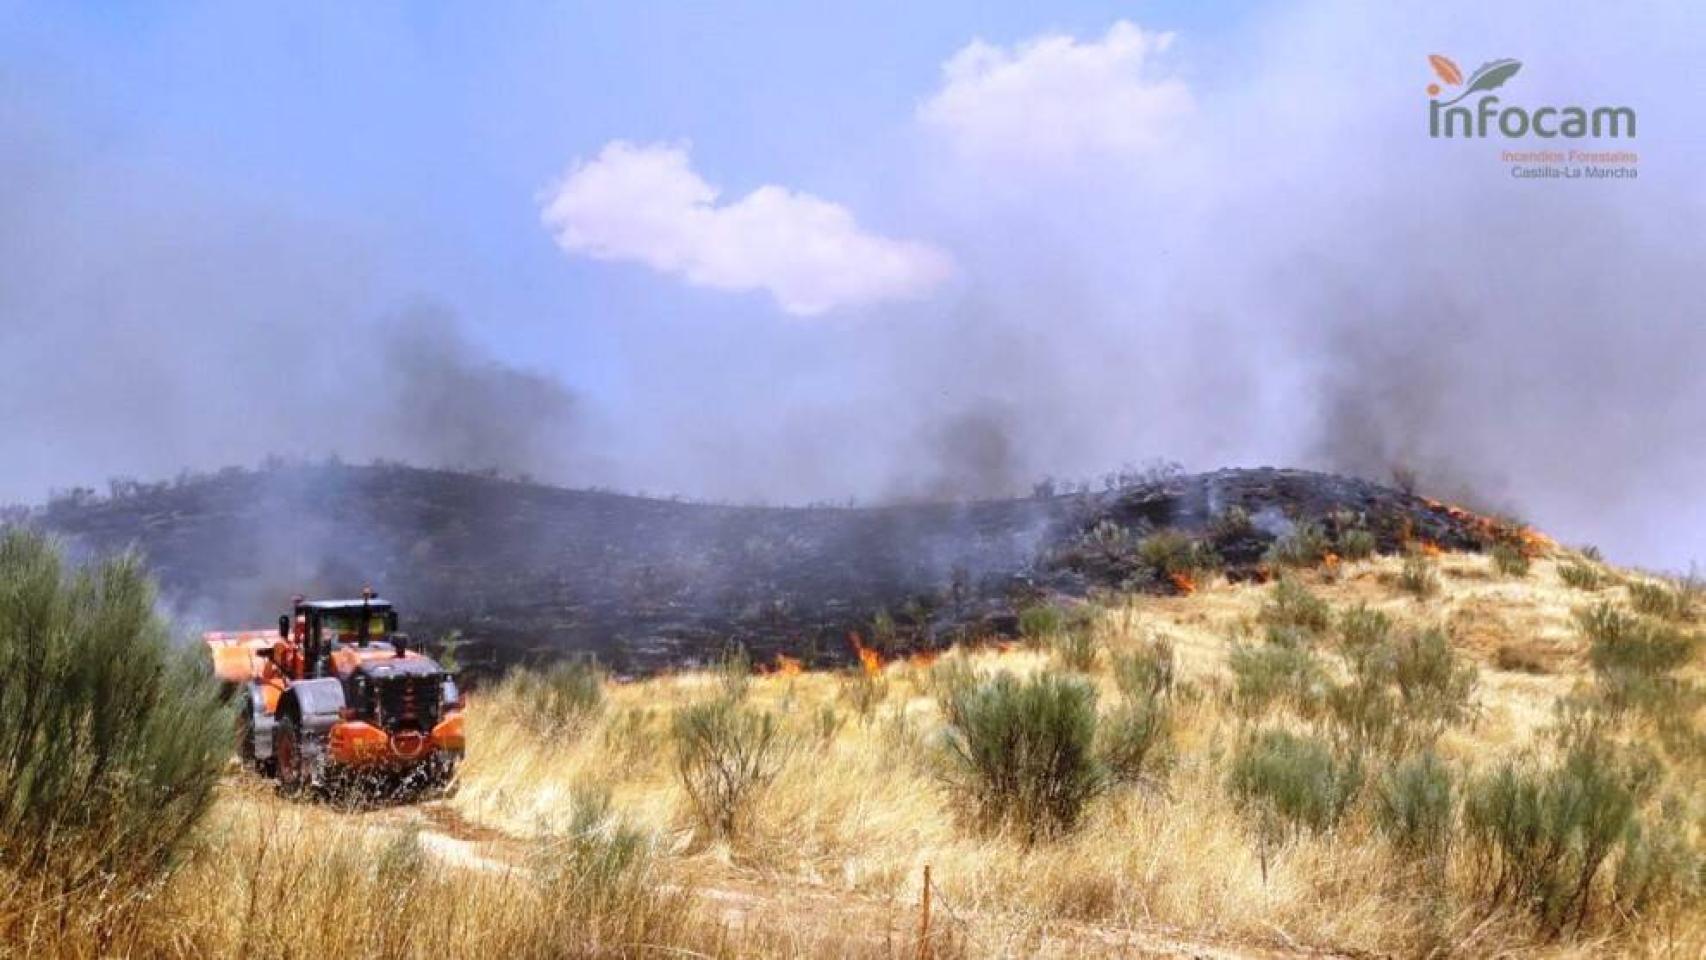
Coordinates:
645 203
1053 101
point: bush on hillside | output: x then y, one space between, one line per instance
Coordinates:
726 755
1271 672
1418 575
1293 782
1541 834
1510 560
1018 755
1292 605
1416 805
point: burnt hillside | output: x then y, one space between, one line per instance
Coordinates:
526 571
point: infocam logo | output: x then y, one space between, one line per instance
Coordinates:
1447 119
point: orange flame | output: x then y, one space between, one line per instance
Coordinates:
869 659
1430 548
1489 530
1183 582
923 658
787 666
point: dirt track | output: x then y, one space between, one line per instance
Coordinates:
739 897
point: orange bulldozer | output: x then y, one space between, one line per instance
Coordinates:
336 694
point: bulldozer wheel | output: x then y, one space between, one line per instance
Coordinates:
246 737
287 754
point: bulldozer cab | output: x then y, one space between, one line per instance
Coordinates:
323 626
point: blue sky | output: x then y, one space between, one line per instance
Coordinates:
952 247
428 130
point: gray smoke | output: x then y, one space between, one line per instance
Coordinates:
1296 275
146 328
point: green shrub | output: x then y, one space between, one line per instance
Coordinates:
1356 544
1231 523
1365 713
1271 672
1169 552
1657 866
1076 648
1416 805
1361 630
559 700
630 734
725 756
1294 782
1136 738
1018 755
598 857
827 723
1510 560
1434 682
1658 600
111 740
1418 576
1633 659
948 680
1146 672
1541 835
1041 622
1581 575
734 672
1305 546
1292 605
1621 642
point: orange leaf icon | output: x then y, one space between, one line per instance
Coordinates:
1446 69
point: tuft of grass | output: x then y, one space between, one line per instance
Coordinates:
1269 673
1076 648
1135 740
1582 575
1041 622
863 691
1019 755
1147 672
1634 659
734 673
1361 630
560 700
1357 544
1292 605
1419 576
1510 560
1658 600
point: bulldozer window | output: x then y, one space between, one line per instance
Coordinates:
336 628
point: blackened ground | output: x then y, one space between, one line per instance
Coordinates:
526 572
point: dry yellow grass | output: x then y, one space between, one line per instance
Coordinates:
833 862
